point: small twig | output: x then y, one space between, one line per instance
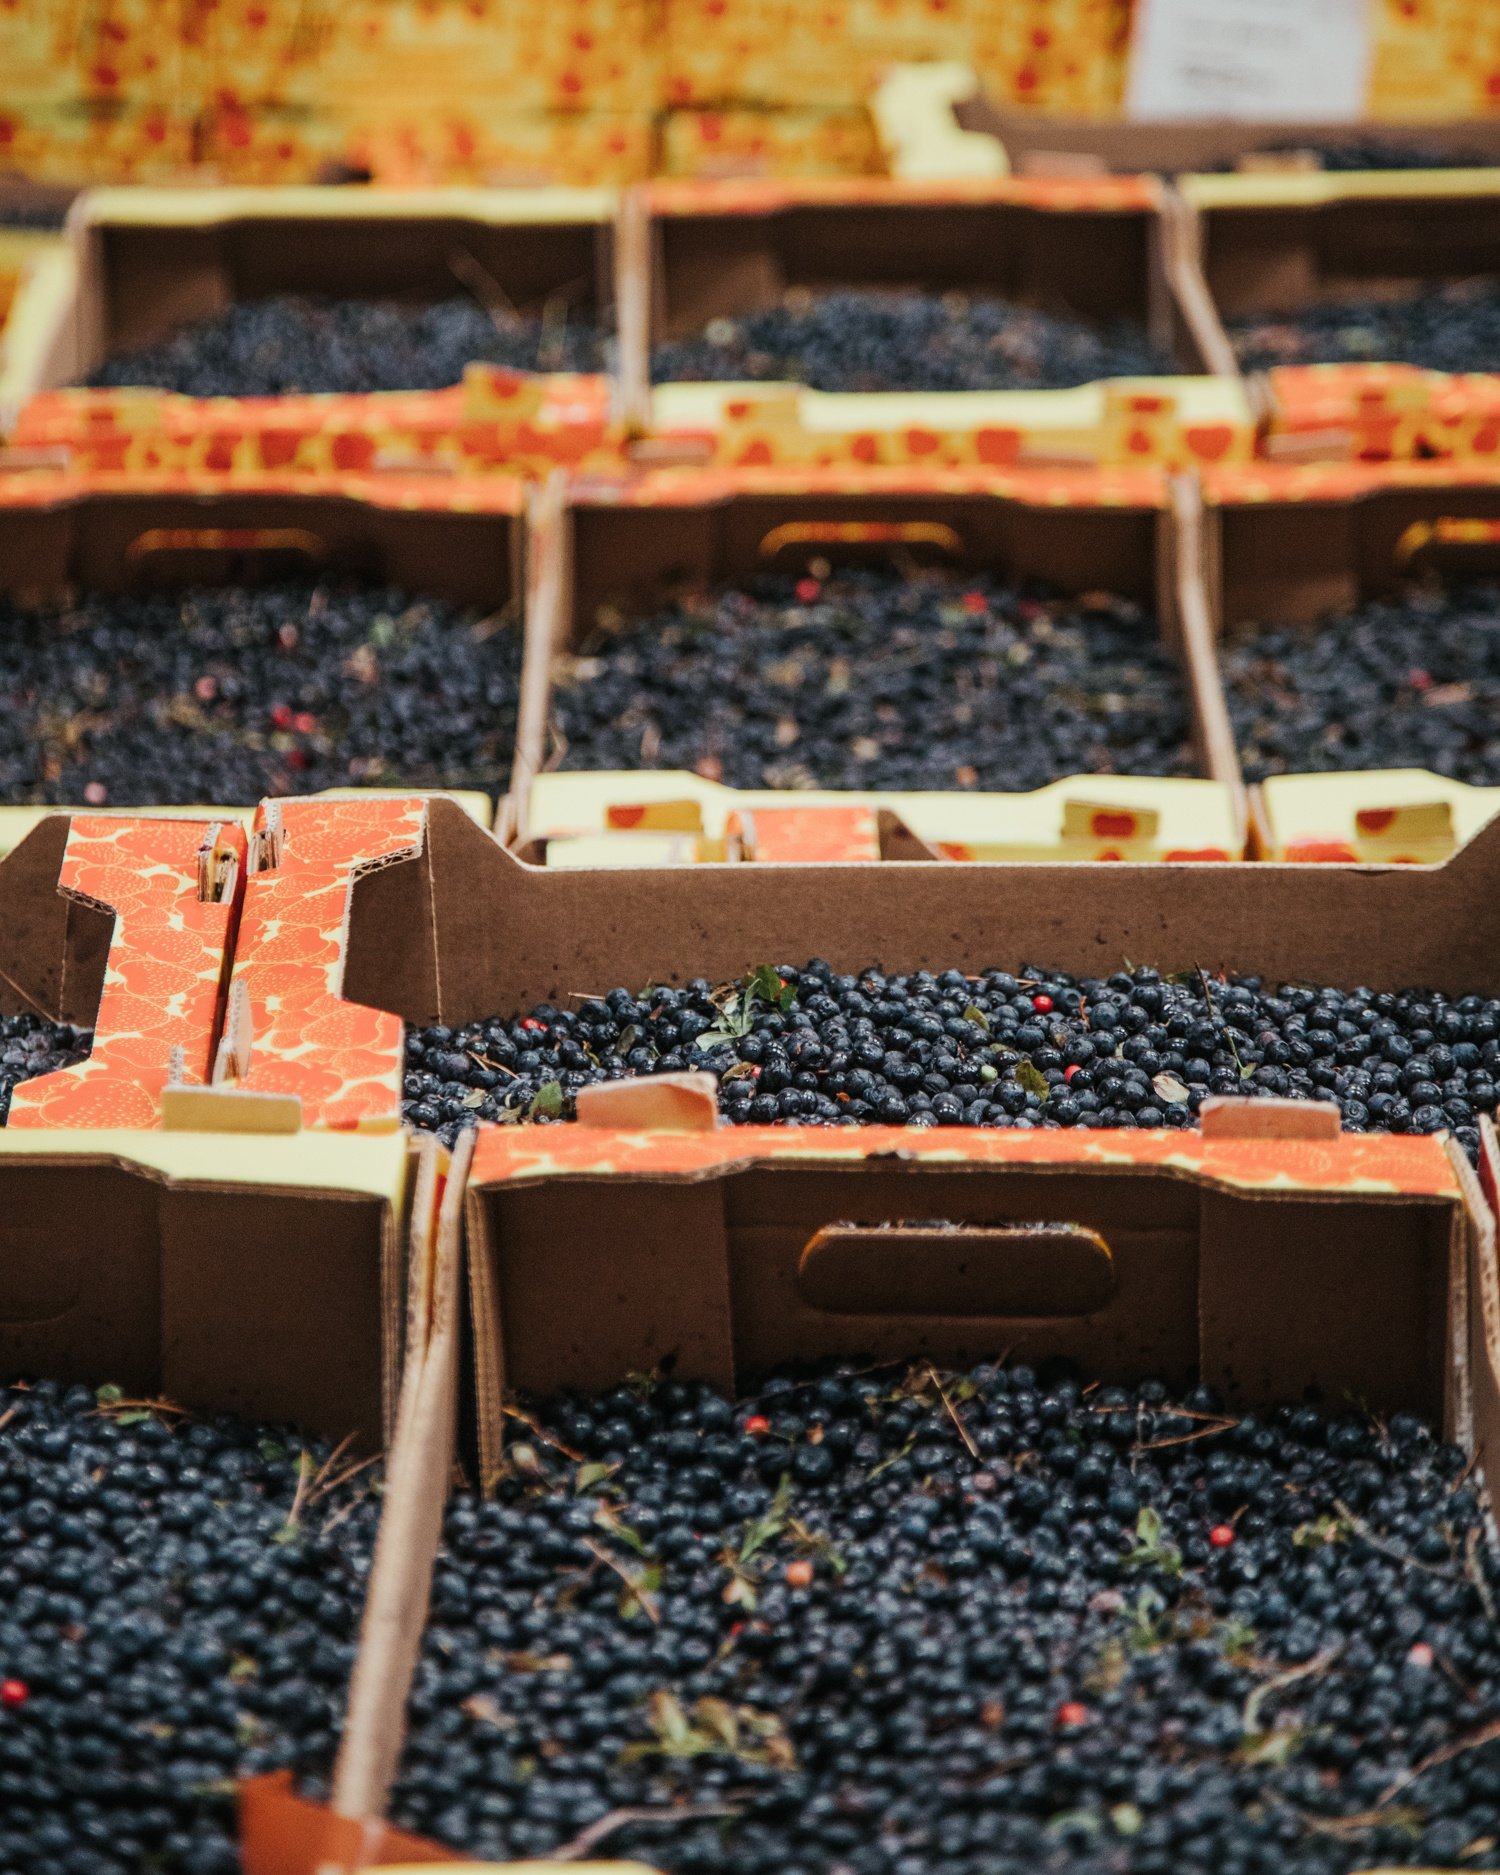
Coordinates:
315 1490
630 1577
495 1067
304 1473
327 1488
1187 1438
1366 1535
7 1416
952 1410
473 274
1320 1663
612 1820
1484 1736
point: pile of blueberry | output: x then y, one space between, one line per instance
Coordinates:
31 1045
179 1605
277 347
870 679
884 1623
1454 327
1407 682
1041 1049
222 696
908 341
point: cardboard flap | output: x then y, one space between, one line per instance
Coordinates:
52 949
1235 1116
898 841
661 1103
1420 821
1099 820
999 1272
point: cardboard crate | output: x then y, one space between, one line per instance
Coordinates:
627 544
1278 241
1104 248
148 260
1048 142
1285 545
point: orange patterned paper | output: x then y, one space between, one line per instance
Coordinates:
528 423
163 978
343 1060
769 195
1405 1165
1100 487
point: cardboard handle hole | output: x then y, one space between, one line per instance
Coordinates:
1453 541
862 540
1006 1272
220 555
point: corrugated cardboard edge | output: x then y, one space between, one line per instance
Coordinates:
548 580
417 1477
1182 231
1195 622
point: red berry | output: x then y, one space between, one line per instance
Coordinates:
304 722
757 1425
1041 1003
1070 1071
976 602
808 590
281 715
1419 680
206 689
799 1575
1419 1655
530 1022
14 1693
1072 1712
1221 1536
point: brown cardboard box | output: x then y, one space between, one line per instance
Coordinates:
1277 241
1285 545
628 547
1046 142
150 259
1096 246
62 534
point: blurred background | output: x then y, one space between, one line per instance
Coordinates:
528 92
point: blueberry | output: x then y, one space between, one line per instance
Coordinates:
277 347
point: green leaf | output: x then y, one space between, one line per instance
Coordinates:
587 1476
1151 1548
1030 1076
716 1038
107 1395
546 1102
1170 1089
1274 1748
133 1417
764 1529
271 1452
765 981
977 1016
629 1036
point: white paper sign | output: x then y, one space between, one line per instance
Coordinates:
1271 61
